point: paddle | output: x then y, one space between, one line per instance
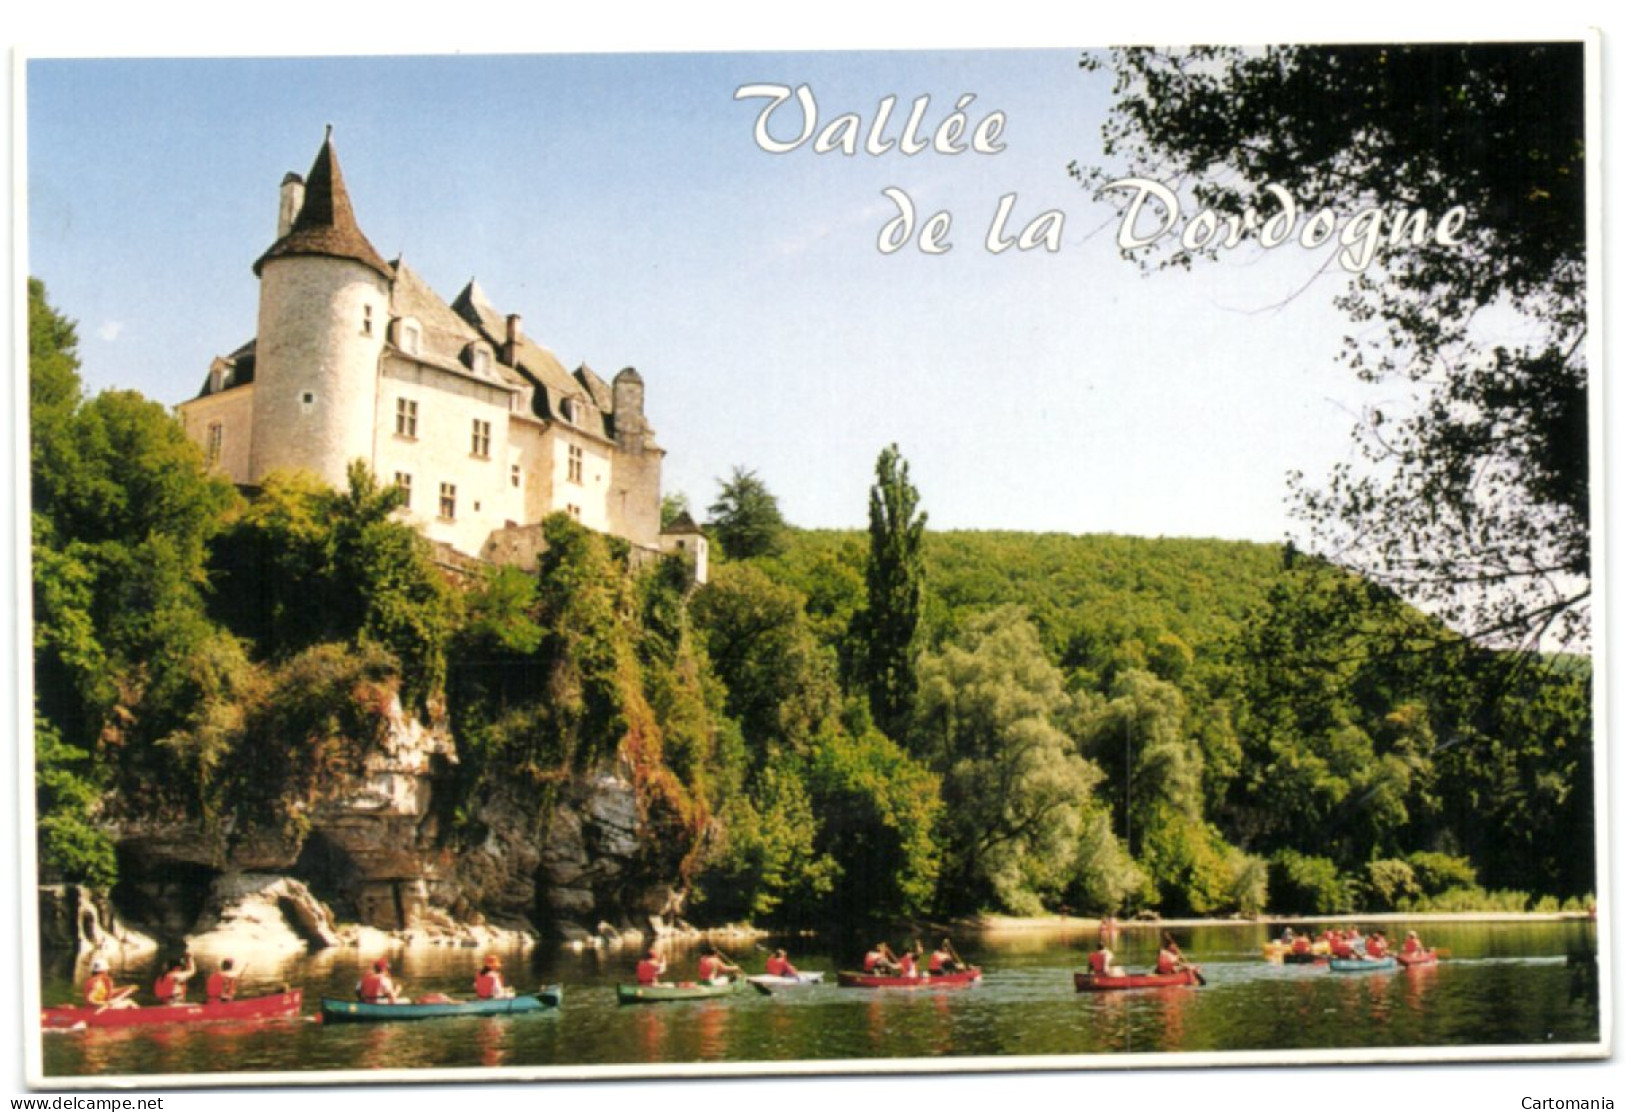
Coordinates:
1197 971
954 953
121 994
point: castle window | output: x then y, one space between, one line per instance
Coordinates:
366 320
575 462
482 439
403 483
217 438
406 418
448 501
567 410
575 511
480 360
513 474
411 338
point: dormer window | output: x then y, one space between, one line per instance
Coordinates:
366 320
567 410
479 359
409 336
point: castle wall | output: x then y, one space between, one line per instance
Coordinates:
633 500
233 413
321 332
435 445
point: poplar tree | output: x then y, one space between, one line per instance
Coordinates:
895 575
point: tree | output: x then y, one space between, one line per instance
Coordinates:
745 518
1472 496
895 576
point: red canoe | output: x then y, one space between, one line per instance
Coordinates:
1423 957
1093 982
281 1005
940 980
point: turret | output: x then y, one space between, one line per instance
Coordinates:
323 316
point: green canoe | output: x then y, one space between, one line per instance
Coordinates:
351 1011
659 994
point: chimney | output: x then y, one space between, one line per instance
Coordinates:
516 328
292 200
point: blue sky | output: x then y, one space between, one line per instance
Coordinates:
620 203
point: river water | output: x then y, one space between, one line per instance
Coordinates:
1501 984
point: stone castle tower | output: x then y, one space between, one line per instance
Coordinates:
356 358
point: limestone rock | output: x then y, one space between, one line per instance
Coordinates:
258 911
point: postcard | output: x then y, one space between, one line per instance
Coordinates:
553 566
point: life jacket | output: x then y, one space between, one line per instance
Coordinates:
170 989
488 985
648 971
1167 962
870 960
1376 948
220 988
709 967
906 965
1100 961
1412 946
776 966
938 960
371 990
99 989
1301 944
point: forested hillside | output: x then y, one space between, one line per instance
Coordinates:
836 726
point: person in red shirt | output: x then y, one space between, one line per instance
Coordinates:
1301 944
1170 959
880 960
713 970
488 983
944 960
652 967
170 988
1100 962
779 965
377 987
221 987
907 964
1376 945
1413 945
101 992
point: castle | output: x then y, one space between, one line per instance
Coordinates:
483 429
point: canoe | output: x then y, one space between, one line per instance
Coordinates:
354 1011
1422 957
1361 965
1094 982
281 1005
941 980
660 994
768 982
1305 959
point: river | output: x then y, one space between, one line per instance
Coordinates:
1507 984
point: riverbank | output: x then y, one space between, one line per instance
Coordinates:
1000 924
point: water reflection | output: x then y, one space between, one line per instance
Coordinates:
1026 1005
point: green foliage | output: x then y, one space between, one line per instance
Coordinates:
305 565
1308 885
71 847
1390 883
745 518
884 629
1472 491
1014 786
1436 872
878 810
768 868
781 685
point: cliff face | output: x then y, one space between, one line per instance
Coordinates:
374 851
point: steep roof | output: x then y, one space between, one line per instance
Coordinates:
326 223
536 363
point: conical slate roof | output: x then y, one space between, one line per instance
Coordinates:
326 223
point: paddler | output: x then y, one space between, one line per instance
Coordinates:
779 965
1413 944
880 960
1100 962
221 987
377 987
713 970
101 992
170 987
652 967
944 959
488 982
1170 959
908 964
1376 945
